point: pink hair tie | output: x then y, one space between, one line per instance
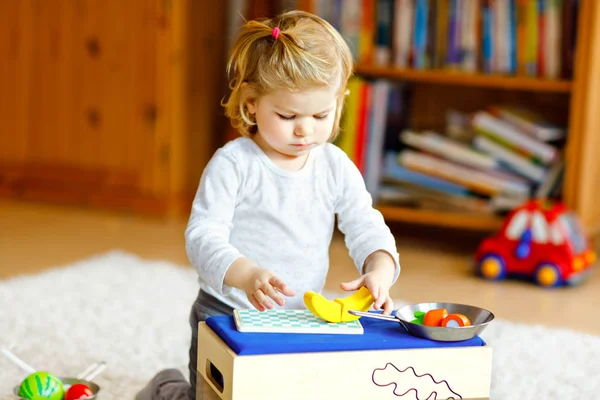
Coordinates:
276 32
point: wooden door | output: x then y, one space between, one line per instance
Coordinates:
96 98
582 175
83 109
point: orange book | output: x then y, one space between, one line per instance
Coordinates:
542 32
367 32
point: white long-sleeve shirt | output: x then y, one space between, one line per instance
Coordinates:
282 220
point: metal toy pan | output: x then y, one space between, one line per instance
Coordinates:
479 317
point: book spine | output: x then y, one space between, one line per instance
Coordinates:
474 179
505 131
395 171
511 160
383 44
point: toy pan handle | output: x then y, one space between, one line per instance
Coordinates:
92 371
17 361
373 315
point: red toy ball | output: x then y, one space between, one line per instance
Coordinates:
79 391
542 241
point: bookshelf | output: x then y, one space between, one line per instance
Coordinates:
440 218
466 79
571 101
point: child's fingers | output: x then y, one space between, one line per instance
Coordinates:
352 285
388 306
378 295
270 291
281 286
255 303
262 299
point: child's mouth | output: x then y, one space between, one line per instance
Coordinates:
302 146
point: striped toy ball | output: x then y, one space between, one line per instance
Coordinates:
41 386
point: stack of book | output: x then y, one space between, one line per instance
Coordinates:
513 155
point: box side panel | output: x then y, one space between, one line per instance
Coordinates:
448 373
215 365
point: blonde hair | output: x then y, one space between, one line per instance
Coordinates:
307 53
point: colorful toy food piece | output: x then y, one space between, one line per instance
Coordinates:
455 321
435 317
79 391
337 310
327 310
41 386
361 300
419 315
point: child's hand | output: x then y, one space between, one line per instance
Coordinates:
262 284
379 287
378 279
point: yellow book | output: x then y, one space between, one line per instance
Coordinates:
532 38
441 33
346 139
522 37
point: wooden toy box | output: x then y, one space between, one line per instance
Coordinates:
383 363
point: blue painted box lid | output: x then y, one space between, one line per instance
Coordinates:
378 335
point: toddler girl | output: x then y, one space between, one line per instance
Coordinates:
264 213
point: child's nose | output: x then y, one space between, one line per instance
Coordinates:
301 129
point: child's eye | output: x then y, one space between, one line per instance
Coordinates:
286 117
322 116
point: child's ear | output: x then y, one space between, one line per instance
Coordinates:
249 98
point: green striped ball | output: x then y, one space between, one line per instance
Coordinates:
41 386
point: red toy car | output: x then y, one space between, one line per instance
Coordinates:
540 240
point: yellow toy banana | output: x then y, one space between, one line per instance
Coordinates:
337 310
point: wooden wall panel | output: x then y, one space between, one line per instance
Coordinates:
119 85
15 61
94 119
67 94
107 102
195 66
206 87
82 81
76 85
148 91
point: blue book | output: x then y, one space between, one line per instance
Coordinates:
420 33
384 23
487 45
513 35
393 170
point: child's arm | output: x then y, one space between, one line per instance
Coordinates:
219 264
369 240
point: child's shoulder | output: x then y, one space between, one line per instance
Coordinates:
333 154
241 145
332 150
237 150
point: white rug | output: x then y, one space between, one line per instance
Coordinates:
133 314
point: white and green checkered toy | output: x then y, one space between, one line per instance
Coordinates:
291 321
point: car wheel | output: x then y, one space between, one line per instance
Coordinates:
492 267
548 275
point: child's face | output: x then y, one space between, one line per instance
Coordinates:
290 124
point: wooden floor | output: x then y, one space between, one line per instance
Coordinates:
435 263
